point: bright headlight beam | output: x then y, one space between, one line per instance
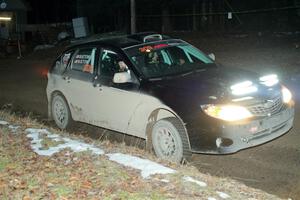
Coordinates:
5 18
234 113
227 112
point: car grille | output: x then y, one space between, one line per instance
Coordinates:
269 107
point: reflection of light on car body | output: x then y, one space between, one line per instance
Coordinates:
243 88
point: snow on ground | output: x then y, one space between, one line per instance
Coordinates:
190 179
76 146
223 195
4 123
211 198
147 167
13 128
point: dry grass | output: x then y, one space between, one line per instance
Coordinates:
69 175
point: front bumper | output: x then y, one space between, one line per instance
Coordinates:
232 137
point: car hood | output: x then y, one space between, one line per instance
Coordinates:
211 85
212 82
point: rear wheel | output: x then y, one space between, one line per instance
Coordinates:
169 140
61 112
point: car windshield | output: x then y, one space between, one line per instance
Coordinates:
167 59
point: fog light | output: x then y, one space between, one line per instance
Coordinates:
218 142
223 142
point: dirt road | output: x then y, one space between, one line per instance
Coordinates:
273 167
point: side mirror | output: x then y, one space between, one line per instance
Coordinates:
122 77
212 56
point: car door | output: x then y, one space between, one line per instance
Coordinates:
116 102
78 83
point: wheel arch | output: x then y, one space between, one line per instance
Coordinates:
56 92
159 114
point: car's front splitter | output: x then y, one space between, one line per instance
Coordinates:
232 137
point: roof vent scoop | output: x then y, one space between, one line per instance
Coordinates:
153 37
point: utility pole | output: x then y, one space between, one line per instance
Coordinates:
195 18
133 16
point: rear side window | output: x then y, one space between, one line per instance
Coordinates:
84 60
65 59
62 62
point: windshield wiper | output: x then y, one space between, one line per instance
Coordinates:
193 72
170 76
200 70
187 73
156 79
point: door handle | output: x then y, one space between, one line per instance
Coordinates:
97 85
67 78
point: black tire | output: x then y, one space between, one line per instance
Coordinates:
169 140
61 112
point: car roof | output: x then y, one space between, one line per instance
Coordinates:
121 41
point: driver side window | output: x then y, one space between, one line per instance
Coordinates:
109 63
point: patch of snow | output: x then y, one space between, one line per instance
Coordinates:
53 136
164 180
223 195
43 46
192 180
63 35
147 167
4 123
76 146
211 198
13 128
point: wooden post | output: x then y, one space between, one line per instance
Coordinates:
203 17
210 17
133 16
166 21
195 18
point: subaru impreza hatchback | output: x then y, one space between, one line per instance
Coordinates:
168 92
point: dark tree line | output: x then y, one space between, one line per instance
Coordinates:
196 15
169 15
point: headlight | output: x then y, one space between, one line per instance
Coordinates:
286 95
226 112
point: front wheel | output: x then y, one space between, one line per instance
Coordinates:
169 140
61 112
